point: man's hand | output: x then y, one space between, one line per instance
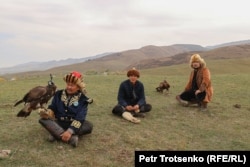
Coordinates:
136 108
133 108
129 108
197 92
66 136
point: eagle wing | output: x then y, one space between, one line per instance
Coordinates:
35 94
32 99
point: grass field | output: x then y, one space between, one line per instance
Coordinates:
168 126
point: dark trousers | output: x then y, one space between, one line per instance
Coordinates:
85 128
119 110
190 96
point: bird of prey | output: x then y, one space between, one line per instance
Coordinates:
162 86
37 97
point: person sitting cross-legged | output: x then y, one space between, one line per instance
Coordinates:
65 118
131 98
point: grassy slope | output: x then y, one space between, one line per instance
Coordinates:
113 141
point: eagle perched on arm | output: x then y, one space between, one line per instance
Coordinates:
36 98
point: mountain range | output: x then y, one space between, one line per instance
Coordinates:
146 57
41 66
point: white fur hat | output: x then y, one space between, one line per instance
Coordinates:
197 58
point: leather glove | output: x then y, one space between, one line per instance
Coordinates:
46 113
90 101
128 116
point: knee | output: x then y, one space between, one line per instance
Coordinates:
89 125
86 128
146 108
90 128
118 110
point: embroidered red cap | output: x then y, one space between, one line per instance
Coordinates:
76 74
73 77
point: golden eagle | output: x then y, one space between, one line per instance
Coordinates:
162 86
36 98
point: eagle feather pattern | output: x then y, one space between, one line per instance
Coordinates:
35 98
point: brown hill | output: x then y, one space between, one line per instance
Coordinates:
228 52
122 60
146 58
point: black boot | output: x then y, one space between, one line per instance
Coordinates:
181 102
203 106
139 114
73 140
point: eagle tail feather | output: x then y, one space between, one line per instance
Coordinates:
18 102
23 113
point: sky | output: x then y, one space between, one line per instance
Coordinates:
45 30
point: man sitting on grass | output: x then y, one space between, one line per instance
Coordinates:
65 118
131 98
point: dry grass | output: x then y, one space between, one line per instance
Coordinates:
113 141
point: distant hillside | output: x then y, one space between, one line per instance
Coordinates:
121 60
146 58
242 42
228 52
165 61
41 66
110 59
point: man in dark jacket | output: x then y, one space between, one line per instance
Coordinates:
131 98
65 118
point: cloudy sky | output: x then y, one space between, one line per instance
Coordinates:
44 30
